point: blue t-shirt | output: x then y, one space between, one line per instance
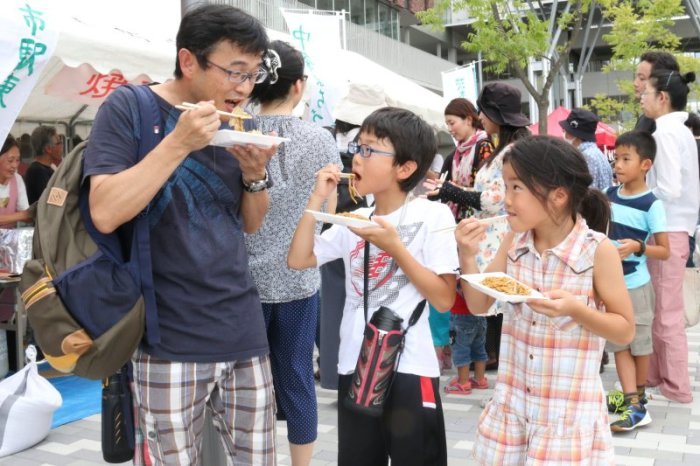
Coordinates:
208 306
635 217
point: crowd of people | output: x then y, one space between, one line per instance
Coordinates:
246 278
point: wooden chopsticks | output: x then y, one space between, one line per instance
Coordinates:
189 106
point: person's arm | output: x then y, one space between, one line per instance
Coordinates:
469 234
451 192
439 290
117 198
667 166
252 161
19 216
661 250
301 250
616 324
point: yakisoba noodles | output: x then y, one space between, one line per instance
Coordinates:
236 121
354 195
506 285
353 215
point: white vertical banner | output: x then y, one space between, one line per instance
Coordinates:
28 39
316 36
460 82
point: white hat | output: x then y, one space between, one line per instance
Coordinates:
360 101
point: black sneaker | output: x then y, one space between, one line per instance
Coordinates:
633 417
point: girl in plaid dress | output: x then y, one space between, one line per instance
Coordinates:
548 405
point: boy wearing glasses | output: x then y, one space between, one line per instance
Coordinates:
199 200
407 264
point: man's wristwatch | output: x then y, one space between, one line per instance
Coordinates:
642 248
257 186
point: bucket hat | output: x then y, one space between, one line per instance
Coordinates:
581 123
360 101
500 102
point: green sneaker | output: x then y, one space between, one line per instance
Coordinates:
616 401
633 417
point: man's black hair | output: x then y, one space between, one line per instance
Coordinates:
660 61
643 143
693 122
202 28
413 139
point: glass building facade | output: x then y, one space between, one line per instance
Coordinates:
375 15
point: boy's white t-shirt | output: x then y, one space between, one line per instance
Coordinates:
388 285
22 200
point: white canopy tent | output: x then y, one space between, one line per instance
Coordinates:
97 48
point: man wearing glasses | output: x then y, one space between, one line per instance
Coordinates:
199 200
48 148
648 62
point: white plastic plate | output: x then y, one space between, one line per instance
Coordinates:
341 220
475 280
230 138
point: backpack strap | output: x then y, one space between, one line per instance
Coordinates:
151 135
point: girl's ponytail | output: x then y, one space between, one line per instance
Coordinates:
595 209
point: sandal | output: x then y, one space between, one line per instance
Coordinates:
455 388
483 384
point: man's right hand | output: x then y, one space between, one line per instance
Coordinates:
196 127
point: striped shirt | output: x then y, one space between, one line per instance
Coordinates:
635 217
548 405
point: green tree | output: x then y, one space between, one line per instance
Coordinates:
637 26
510 33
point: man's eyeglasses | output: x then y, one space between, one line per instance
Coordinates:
366 151
240 77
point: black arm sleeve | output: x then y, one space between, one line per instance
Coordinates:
450 192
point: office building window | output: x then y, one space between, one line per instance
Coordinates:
357 12
324 4
371 15
342 5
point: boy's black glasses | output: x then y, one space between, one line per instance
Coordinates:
240 77
366 151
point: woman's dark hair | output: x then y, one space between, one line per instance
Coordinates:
413 139
464 109
9 143
673 83
203 28
342 127
545 163
291 70
506 135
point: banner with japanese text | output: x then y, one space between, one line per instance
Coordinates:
86 85
28 39
316 36
460 82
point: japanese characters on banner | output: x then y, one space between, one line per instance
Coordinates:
316 35
86 85
27 42
460 82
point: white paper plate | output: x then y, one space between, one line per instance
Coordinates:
230 138
341 220
475 280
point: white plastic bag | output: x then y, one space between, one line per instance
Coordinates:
27 404
691 296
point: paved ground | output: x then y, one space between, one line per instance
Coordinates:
673 438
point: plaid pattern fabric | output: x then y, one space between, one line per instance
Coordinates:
549 404
169 403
